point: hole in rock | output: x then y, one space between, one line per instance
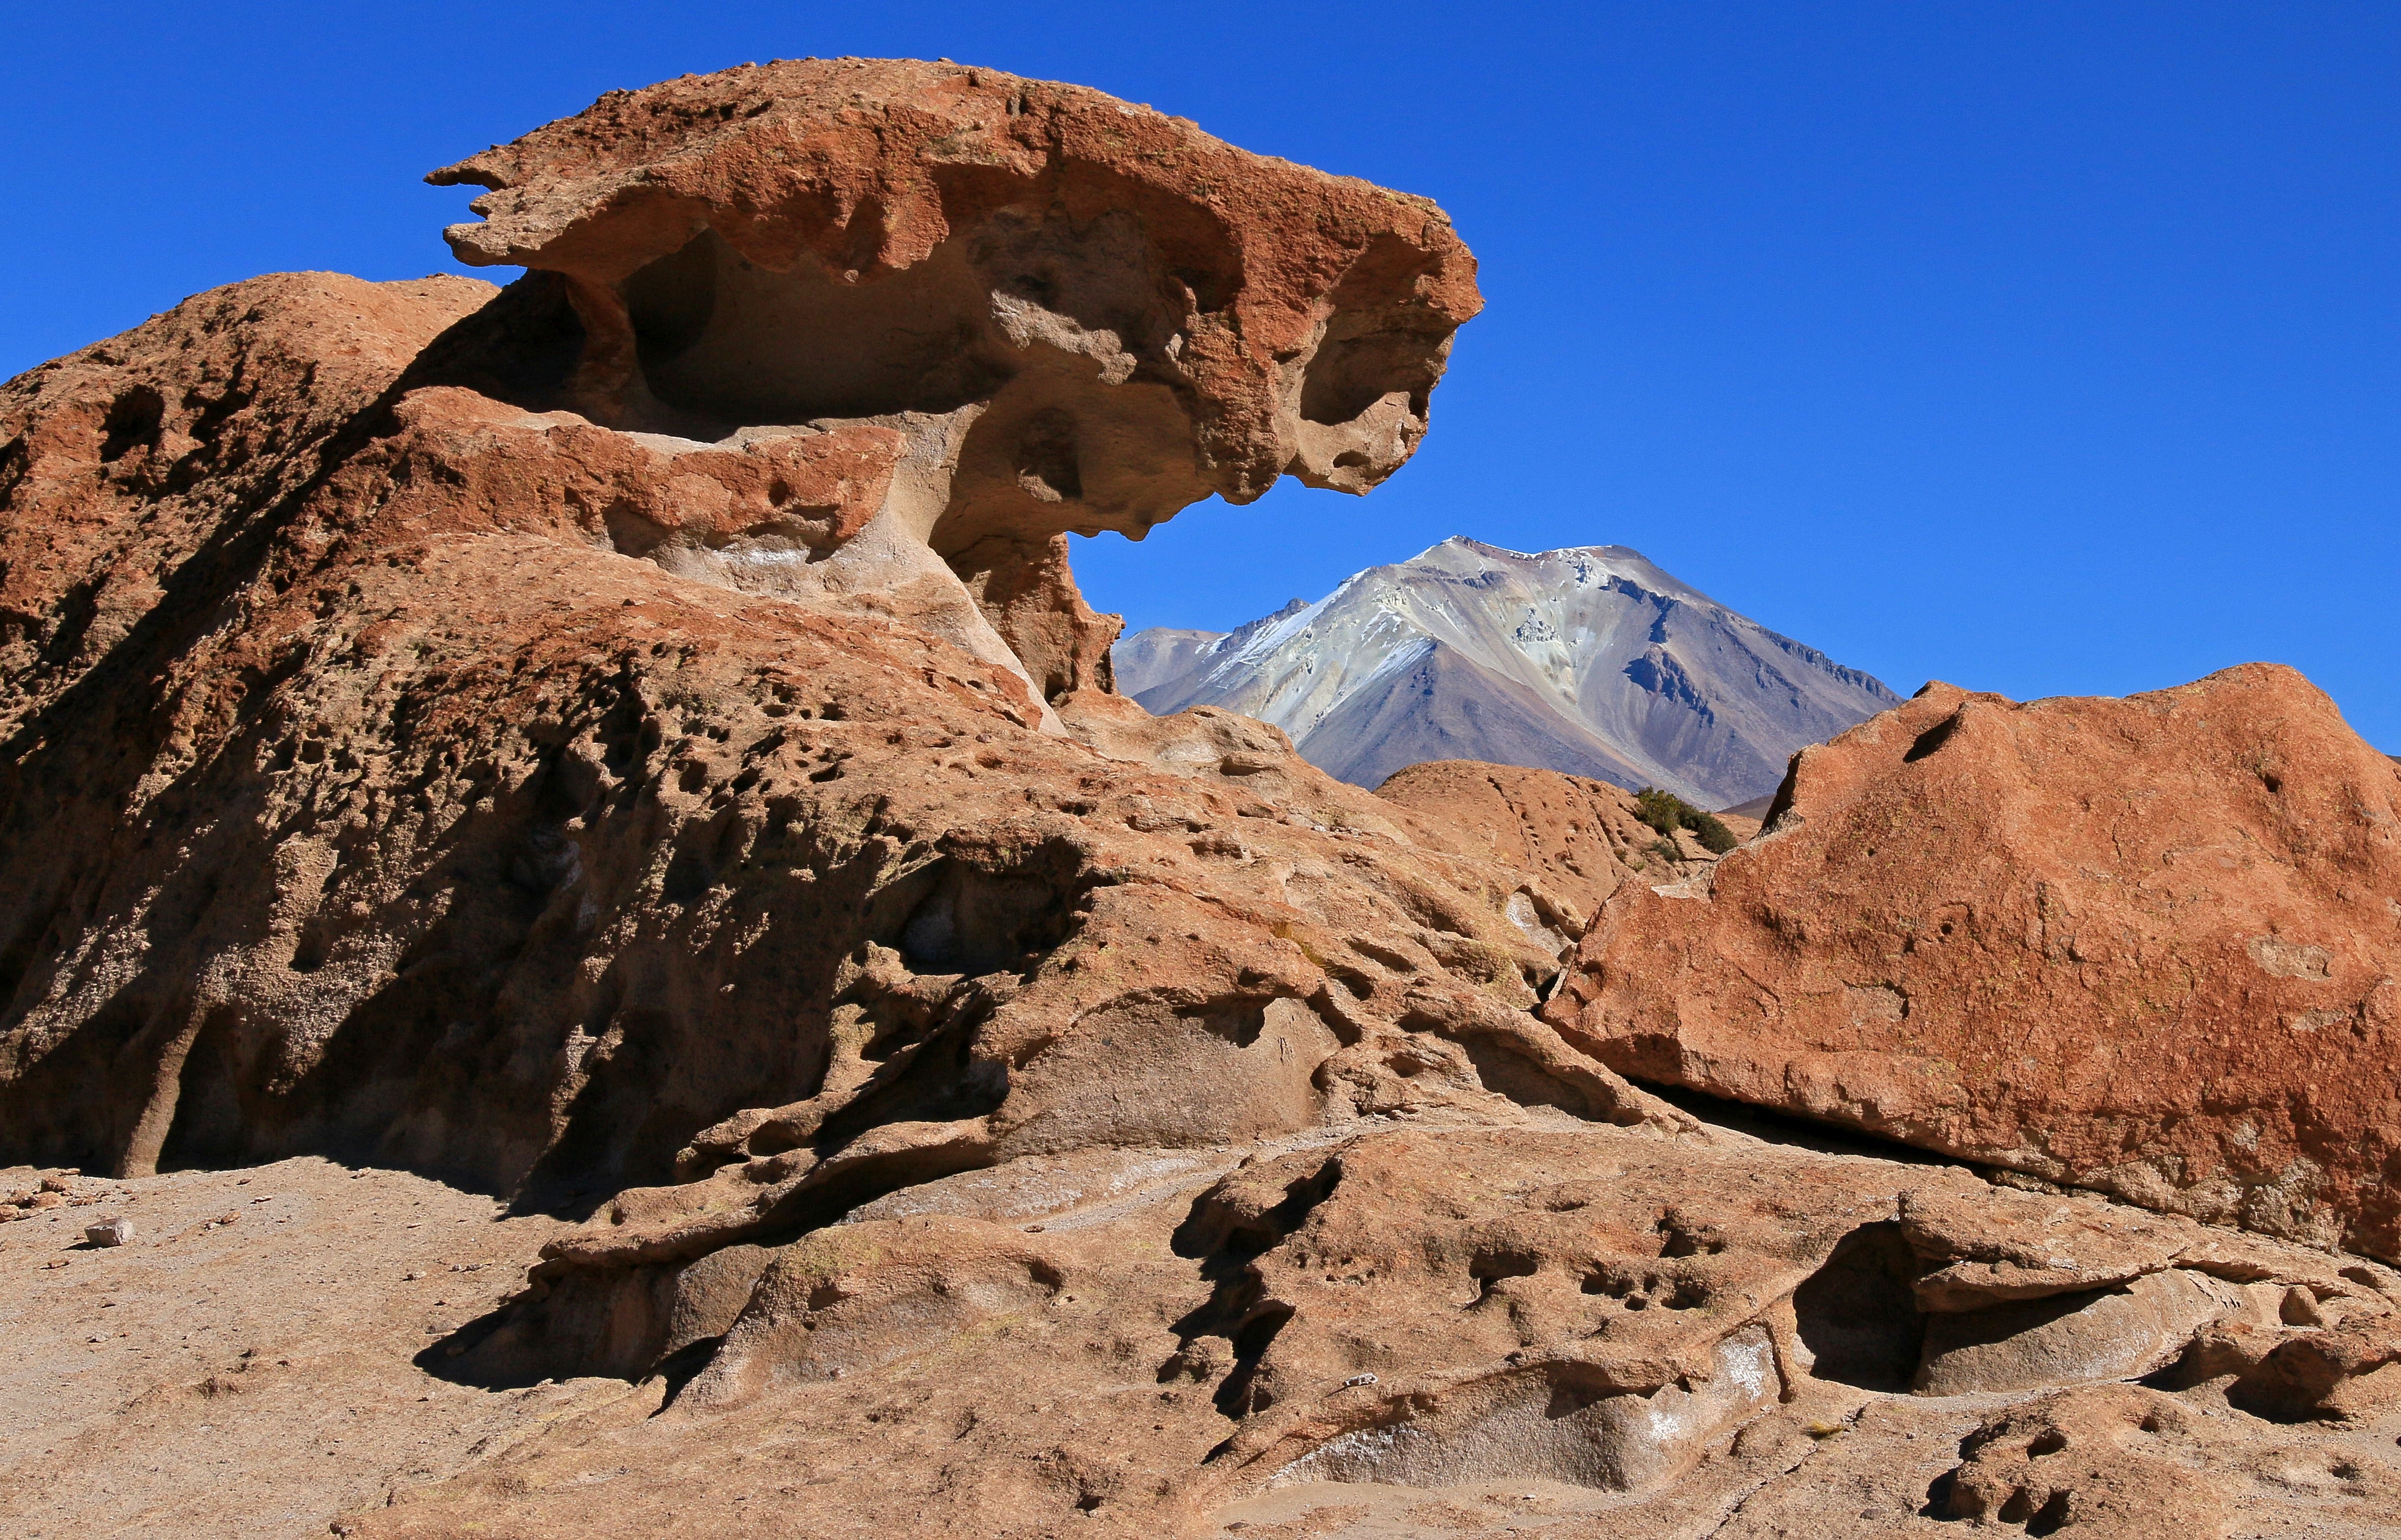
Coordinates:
1368 352
1641 1291
1046 458
1341 383
977 922
1490 1268
309 954
1680 1236
1238 1022
689 876
1242 1393
720 335
1568 1397
1858 1314
1932 738
133 420
218 1095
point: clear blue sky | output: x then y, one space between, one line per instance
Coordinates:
2041 348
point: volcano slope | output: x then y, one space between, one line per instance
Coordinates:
630 744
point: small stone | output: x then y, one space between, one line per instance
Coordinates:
1358 1380
109 1233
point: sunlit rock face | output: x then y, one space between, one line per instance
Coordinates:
958 1111
2148 947
1077 315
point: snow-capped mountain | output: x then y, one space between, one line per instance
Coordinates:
1588 660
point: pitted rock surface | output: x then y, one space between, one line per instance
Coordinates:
578 743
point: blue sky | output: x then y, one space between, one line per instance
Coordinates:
2040 347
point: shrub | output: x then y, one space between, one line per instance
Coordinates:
1666 812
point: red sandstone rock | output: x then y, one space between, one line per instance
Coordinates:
412 771
2148 946
1577 840
1078 314
712 227
2114 1463
996 1109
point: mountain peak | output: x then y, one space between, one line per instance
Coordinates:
1588 659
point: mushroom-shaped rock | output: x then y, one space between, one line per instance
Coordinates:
1081 314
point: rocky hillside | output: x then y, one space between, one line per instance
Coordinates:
571 872
1588 660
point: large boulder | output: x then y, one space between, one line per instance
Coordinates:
2151 946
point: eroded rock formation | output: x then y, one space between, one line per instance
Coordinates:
364 794
1062 312
630 743
2148 946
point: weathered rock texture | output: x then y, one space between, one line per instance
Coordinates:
1574 842
964 1103
1056 312
363 792
2148 946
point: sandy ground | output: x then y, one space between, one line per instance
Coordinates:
252 1377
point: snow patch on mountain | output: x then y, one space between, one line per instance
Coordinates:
1587 659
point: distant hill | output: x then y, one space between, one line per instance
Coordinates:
1588 660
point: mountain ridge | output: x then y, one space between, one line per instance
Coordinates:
1590 659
